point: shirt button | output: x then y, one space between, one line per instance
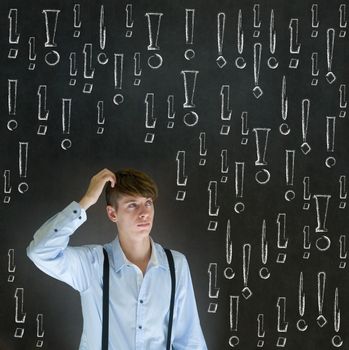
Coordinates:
80 217
140 327
141 301
56 230
75 211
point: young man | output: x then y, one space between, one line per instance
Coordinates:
139 276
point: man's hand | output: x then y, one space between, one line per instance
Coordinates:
96 187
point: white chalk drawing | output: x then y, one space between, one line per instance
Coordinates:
150 121
330 35
31 52
257 54
284 128
77 20
40 330
234 318
260 330
343 23
272 61
306 242
213 290
282 241
295 46
181 177
315 20
239 207
322 203
305 147
244 128
213 208
240 61
221 61
137 71
13 35
202 148
100 117
225 104
330 139
7 186
306 192
51 19
154 19
189 54
23 166
129 21
261 135
224 165
289 171
264 271
20 315
336 339
282 325
118 75
102 58
246 259
343 194
43 112
321 283
314 68
88 66
256 20
301 323
73 70
189 80
170 111
343 252
66 117
228 271
11 269
343 100
12 87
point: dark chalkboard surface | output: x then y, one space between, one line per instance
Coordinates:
239 112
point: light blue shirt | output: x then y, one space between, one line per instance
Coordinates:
139 304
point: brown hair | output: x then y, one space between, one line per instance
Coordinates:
130 182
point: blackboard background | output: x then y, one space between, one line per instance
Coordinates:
56 176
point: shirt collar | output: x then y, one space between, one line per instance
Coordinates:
157 258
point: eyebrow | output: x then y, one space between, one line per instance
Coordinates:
134 200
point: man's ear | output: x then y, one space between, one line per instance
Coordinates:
111 212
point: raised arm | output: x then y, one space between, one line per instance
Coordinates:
49 248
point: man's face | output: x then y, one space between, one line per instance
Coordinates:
133 216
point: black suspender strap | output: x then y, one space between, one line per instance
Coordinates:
173 290
105 320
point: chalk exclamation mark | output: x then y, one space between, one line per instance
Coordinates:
100 117
31 53
234 319
170 111
150 121
306 192
189 78
343 100
261 134
181 176
51 18
203 149
290 156
246 258
224 165
260 330
40 330
301 323
213 290
239 207
66 116
221 61
7 186
155 61
13 35
336 339
264 271
272 61
343 194
240 61
343 23
330 138
12 103
102 58
88 68
322 203
282 325
315 20
23 166
43 112
330 76
343 253
129 21
228 271
284 128
77 20
213 208
305 147
226 110
137 71
118 75
257 55
11 265
20 315
189 54
321 282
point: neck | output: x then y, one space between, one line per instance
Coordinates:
137 251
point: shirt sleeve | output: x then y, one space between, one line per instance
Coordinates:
50 252
187 333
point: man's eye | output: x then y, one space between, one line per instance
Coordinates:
149 203
132 205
